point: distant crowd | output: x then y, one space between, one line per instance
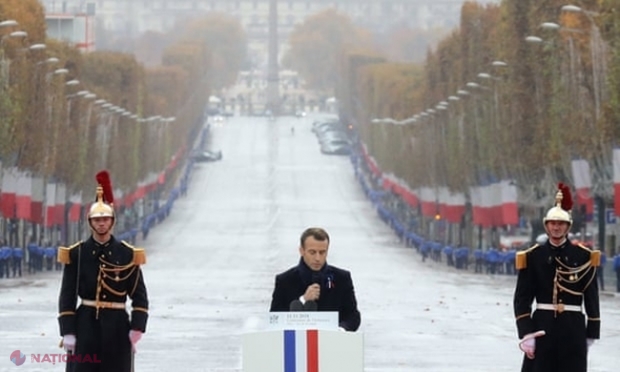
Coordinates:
405 222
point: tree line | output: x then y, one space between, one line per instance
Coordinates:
519 90
66 114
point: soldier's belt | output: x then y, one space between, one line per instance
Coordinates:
104 304
559 307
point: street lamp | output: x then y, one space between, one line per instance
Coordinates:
499 64
72 82
534 40
18 34
8 23
37 47
571 8
13 34
550 26
61 71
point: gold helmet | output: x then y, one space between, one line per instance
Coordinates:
104 204
563 205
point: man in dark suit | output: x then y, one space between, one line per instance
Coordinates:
315 284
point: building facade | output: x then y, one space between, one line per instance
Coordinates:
133 17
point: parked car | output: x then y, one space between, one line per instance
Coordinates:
335 149
207 156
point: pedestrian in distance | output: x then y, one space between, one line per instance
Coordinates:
617 270
18 259
600 273
4 259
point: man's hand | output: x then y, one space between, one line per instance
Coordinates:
529 347
590 342
312 292
68 343
528 343
134 337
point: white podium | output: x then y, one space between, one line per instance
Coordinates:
303 342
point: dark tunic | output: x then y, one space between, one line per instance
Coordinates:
337 293
106 273
559 276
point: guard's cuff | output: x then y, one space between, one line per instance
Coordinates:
139 316
525 325
302 300
66 320
593 329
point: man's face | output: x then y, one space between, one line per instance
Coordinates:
314 253
101 225
557 229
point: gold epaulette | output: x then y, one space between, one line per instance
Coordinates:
521 257
595 255
595 258
139 255
583 247
64 253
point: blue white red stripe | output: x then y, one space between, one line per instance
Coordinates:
301 351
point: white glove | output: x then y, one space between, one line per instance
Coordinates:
528 343
134 337
68 343
529 347
590 342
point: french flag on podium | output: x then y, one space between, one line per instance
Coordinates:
301 350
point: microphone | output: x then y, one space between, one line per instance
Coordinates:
296 305
311 306
317 278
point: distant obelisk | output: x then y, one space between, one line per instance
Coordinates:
273 80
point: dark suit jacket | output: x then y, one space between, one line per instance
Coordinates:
337 293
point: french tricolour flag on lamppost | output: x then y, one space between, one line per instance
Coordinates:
583 184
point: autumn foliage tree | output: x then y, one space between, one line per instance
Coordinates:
225 39
318 44
489 105
66 132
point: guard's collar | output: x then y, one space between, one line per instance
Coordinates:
558 245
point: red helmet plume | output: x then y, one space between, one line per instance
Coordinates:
103 179
567 198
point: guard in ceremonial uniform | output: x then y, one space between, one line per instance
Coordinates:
101 272
561 277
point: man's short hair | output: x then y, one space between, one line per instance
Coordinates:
315 232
